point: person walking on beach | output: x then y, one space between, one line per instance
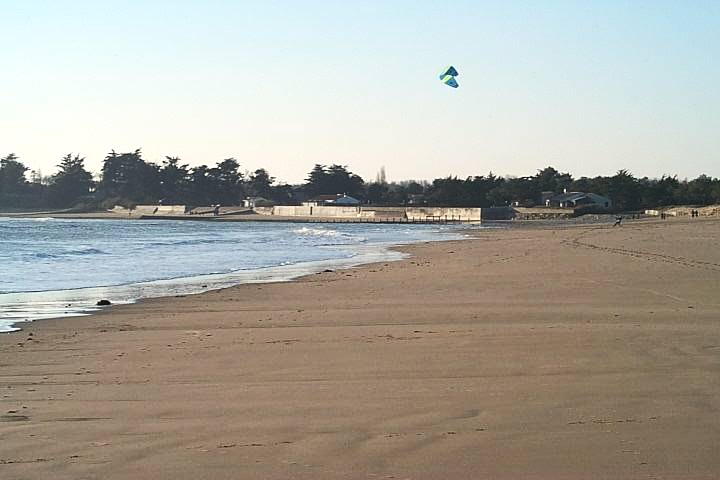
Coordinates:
618 221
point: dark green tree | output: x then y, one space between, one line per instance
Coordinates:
283 194
524 190
377 193
624 191
127 178
448 191
699 191
12 175
226 175
341 180
203 186
317 182
550 180
174 180
335 179
659 193
259 184
72 183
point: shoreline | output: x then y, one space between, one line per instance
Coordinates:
110 309
585 352
405 250
121 294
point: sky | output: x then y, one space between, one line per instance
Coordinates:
589 87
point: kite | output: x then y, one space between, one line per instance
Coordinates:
448 77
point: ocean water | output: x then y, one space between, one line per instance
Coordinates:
57 268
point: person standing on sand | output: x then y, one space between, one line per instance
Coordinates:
618 221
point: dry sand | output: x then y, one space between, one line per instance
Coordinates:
581 353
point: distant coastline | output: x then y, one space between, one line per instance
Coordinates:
365 214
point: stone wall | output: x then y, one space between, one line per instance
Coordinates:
263 210
398 213
341 212
497 213
542 213
444 213
159 210
291 211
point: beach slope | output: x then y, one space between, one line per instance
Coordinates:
576 353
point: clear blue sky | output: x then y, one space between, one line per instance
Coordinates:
588 87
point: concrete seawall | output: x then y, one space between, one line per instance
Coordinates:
463 214
153 210
399 213
353 213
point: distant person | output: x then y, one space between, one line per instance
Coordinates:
216 210
618 221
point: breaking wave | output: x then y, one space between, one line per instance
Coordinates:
68 253
318 232
125 260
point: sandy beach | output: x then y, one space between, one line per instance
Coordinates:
527 353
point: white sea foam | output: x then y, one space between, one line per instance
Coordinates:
318 232
56 269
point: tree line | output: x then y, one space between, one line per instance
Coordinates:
127 179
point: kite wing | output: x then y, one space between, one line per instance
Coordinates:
449 71
450 81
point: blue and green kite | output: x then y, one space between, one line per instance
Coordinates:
448 77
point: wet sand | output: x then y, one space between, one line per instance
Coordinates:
577 353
